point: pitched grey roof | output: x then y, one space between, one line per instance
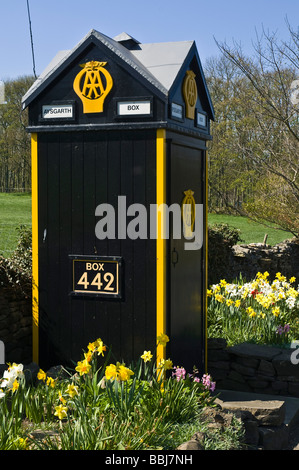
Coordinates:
158 63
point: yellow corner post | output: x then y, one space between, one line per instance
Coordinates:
206 266
35 299
161 241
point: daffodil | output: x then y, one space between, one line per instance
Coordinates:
72 390
118 372
50 382
165 364
61 411
276 311
124 373
88 356
162 339
146 356
101 348
15 385
41 375
61 398
83 367
111 372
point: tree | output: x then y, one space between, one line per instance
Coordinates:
262 133
15 165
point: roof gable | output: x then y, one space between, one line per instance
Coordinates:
153 71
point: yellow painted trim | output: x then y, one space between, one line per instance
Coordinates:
161 241
206 268
35 296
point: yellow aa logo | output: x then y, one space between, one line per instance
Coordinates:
190 93
188 213
92 84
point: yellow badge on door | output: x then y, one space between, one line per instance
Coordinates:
188 213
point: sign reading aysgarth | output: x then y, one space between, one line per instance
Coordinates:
57 111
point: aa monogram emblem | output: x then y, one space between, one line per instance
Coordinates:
92 84
188 213
190 93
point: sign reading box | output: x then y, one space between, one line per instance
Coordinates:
57 111
134 108
201 119
97 276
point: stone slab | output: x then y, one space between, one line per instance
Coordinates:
291 403
267 413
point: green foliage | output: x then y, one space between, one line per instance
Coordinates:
15 272
253 158
14 140
138 409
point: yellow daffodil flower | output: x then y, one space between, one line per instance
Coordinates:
165 364
15 385
50 382
276 311
61 411
111 372
72 390
83 367
41 375
146 356
163 339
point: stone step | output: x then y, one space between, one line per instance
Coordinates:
268 419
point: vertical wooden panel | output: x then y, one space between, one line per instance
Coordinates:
65 245
77 324
114 246
127 305
42 248
150 266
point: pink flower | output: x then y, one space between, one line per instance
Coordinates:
208 384
179 373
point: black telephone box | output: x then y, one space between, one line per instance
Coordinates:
119 132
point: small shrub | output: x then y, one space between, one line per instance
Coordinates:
16 271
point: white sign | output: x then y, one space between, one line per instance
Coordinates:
2 92
57 111
201 119
176 111
129 108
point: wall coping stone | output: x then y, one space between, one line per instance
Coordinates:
256 351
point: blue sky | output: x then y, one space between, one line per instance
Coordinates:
61 24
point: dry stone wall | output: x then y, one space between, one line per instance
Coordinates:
15 326
250 259
254 368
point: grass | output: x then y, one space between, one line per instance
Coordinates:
15 210
251 232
